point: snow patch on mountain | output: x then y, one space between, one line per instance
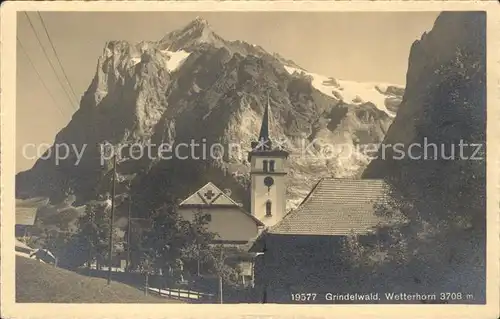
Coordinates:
175 59
351 92
359 92
135 61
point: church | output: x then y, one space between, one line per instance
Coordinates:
232 225
229 221
288 251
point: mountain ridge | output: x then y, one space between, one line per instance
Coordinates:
193 84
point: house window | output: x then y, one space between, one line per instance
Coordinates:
209 217
271 166
264 165
268 208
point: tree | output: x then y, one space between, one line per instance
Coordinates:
147 269
136 244
56 242
226 272
198 240
93 232
173 240
166 240
418 251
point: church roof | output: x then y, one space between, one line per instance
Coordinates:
209 195
264 129
336 207
264 146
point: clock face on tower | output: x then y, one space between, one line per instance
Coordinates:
268 181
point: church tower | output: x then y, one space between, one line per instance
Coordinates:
268 177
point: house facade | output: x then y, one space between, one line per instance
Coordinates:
230 223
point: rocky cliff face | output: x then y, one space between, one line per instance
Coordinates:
444 104
192 85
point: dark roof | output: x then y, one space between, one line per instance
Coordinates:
336 207
264 129
263 146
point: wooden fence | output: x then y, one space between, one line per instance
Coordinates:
182 294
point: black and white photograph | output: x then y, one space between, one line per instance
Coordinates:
250 157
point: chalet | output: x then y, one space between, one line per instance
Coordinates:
232 225
301 252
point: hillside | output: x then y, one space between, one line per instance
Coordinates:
38 282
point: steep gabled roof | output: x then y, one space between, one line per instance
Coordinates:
336 207
209 195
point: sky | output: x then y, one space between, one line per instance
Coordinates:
361 46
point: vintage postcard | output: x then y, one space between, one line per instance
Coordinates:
264 159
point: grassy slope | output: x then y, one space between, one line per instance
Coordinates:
37 282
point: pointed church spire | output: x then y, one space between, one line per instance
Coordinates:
264 129
264 142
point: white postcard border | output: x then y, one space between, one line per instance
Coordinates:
10 309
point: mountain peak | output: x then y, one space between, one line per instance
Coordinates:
200 21
197 24
195 32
